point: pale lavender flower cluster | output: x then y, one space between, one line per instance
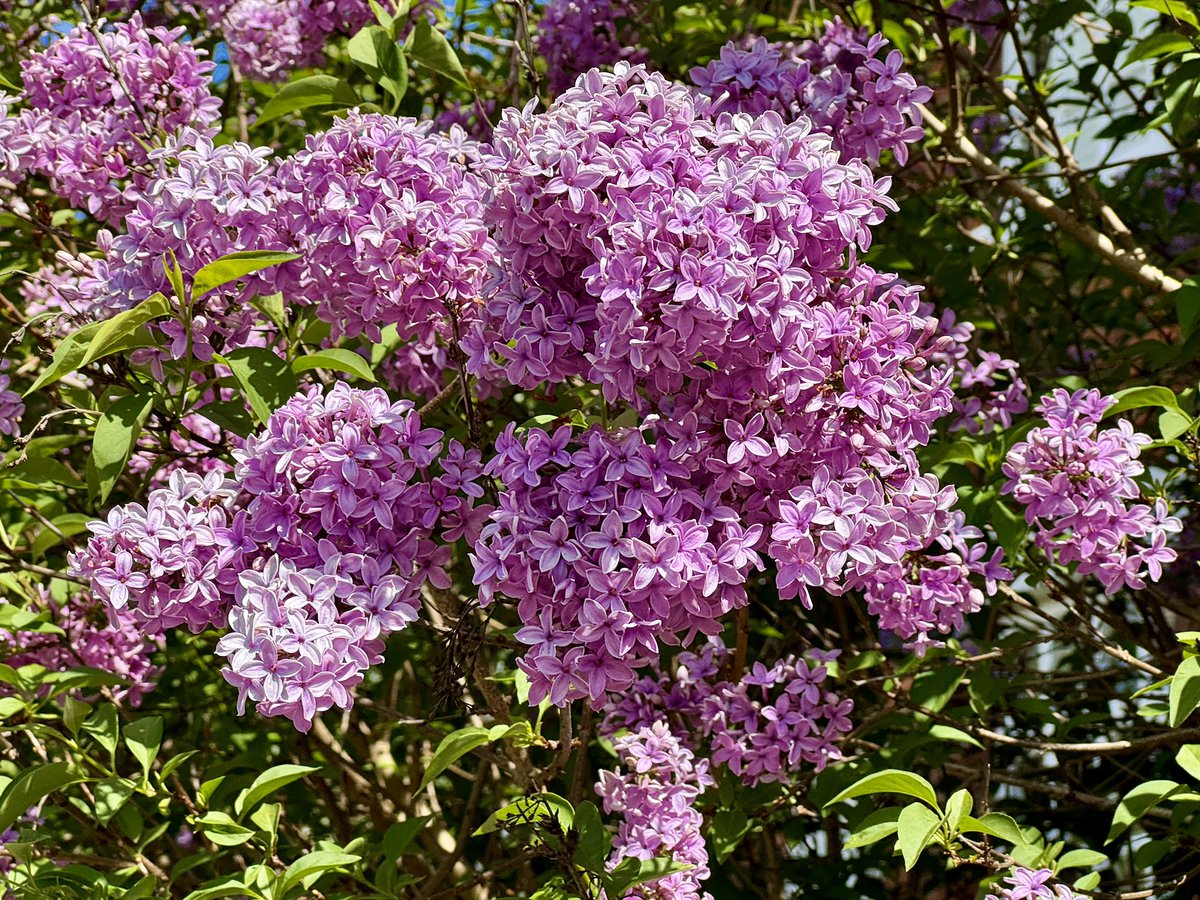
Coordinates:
656 797
98 102
576 35
390 223
865 104
343 497
267 39
765 726
113 643
205 202
642 242
172 561
300 639
609 550
314 551
1031 884
55 298
1078 485
12 407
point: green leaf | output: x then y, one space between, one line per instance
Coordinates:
932 690
1159 44
67 356
234 266
1188 758
914 831
1090 859
220 828
529 811
1137 803
308 92
268 783
629 873
174 274
10 706
308 868
74 712
375 52
113 334
104 726
1172 423
111 794
997 825
1138 397
728 828
30 787
958 807
1176 10
143 738
143 889
878 825
1185 690
429 47
595 843
267 381
948 733
336 359
398 838
66 525
1187 298
890 781
227 886
459 743
116 435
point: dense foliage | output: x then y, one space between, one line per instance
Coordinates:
607 448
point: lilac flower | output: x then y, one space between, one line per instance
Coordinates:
389 220
577 35
837 82
1028 884
764 727
1078 483
98 103
656 798
113 643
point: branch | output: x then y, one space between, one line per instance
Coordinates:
1144 273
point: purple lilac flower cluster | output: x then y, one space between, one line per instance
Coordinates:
989 390
205 202
765 726
697 269
576 35
865 104
315 549
984 17
171 562
343 498
390 223
642 241
109 640
1078 485
656 798
608 550
1030 884
97 103
267 39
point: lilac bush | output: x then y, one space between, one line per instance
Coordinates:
411 416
